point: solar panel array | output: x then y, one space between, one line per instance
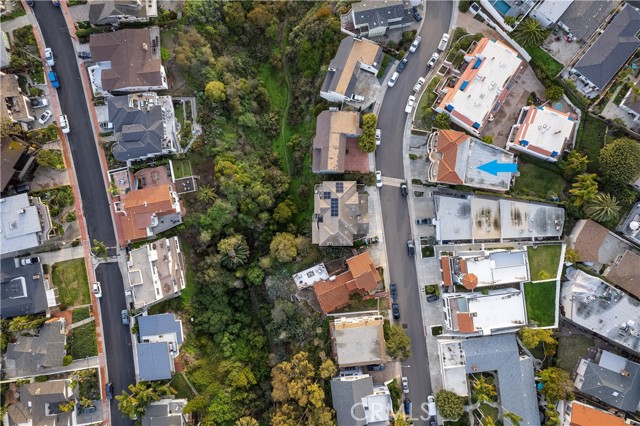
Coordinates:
334 207
326 195
339 187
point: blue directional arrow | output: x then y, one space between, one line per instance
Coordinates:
493 167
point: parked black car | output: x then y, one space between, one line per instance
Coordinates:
411 248
432 298
84 55
394 291
402 64
396 310
109 390
379 367
403 189
416 14
424 221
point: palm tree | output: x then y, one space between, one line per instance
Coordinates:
206 194
576 163
513 418
234 252
603 208
530 33
584 189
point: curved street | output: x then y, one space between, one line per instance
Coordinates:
395 212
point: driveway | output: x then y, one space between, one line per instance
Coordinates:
389 159
96 208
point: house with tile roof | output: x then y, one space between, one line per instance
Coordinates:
499 311
580 414
361 278
160 338
144 126
454 158
354 55
156 272
360 402
36 355
358 341
543 132
483 86
498 355
113 12
375 18
340 213
335 145
614 47
40 404
611 379
146 212
127 61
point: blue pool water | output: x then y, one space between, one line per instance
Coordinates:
501 6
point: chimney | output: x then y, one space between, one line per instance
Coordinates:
625 373
145 47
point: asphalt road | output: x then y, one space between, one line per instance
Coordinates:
391 120
96 207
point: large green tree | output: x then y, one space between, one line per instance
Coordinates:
584 189
532 337
603 208
530 33
367 140
398 343
140 395
234 252
283 247
449 404
557 385
484 390
619 161
575 164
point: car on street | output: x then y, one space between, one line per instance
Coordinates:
415 44
443 42
31 3
378 178
45 116
396 310
432 298
109 390
64 124
125 317
53 77
376 367
433 60
431 403
407 407
48 56
393 79
39 103
410 103
378 136
424 221
29 260
411 248
405 385
416 14
418 85
84 55
97 289
403 189
394 291
401 65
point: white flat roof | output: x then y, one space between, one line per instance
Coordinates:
498 310
484 81
19 224
553 9
546 128
502 267
310 276
455 218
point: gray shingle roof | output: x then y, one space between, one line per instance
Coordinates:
139 132
345 394
108 11
155 325
165 413
154 361
20 292
377 13
30 356
517 388
612 387
612 49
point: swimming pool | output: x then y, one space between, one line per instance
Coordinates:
501 6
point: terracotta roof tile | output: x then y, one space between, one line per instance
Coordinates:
465 322
448 143
583 415
446 271
140 206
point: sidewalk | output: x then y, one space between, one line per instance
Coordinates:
66 253
15 23
378 251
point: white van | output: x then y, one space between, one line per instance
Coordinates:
63 121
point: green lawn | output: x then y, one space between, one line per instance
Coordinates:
178 110
571 349
590 139
82 341
179 383
544 61
360 305
181 168
70 278
80 314
538 182
545 258
540 299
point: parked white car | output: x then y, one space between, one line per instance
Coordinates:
45 116
97 289
443 42
393 79
378 179
433 60
405 385
48 56
378 136
415 44
63 121
410 104
418 85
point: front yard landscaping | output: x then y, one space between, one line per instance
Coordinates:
537 182
82 341
70 278
571 349
544 261
590 139
358 304
80 314
540 299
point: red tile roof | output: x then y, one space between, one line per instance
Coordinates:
584 415
446 271
362 277
448 142
465 322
